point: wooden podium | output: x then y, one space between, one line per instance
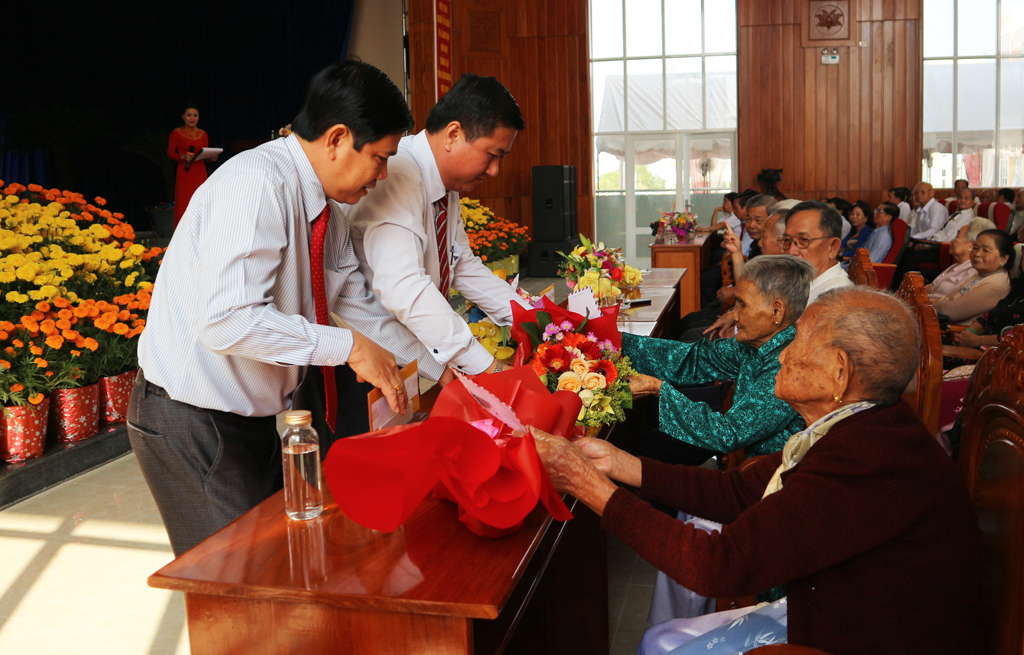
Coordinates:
694 255
266 584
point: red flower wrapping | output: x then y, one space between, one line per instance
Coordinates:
379 479
114 394
75 413
603 327
23 432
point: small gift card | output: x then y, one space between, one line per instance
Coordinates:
491 404
582 302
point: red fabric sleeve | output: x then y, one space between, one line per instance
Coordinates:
172 146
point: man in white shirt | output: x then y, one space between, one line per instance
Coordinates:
408 232
812 233
240 308
925 245
898 196
963 215
932 215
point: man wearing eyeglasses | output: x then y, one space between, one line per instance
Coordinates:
812 233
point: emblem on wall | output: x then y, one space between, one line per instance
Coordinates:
829 22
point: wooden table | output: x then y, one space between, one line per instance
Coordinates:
265 584
694 255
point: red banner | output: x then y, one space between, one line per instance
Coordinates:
443 40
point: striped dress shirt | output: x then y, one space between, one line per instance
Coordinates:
232 322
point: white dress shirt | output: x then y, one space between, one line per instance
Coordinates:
232 321
930 219
904 210
833 278
393 231
734 222
846 227
953 224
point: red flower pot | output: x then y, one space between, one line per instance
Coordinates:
23 432
75 413
114 394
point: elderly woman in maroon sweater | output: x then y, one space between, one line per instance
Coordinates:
861 516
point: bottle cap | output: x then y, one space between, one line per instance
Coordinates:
298 417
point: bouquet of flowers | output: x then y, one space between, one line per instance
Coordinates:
681 223
282 132
602 269
491 237
572 353
494 338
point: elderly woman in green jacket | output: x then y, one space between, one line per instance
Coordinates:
770 296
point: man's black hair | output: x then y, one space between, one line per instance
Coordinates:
901 193
829 221
356 95
1006 195
480 104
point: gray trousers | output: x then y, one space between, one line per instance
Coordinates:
204 467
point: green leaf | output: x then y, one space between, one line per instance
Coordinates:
543 320
627 401
586 318
533 332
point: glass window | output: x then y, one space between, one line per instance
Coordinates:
608 96
711 164
683 27
1011 123
1011 28
605 29
976 29
976 121
643 28
645 94
938 28
719 26
685 78
721 91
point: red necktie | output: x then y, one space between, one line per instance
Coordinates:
441 227
316 256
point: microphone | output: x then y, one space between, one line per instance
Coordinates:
188 164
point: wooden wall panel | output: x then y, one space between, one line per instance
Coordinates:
852 130
543 61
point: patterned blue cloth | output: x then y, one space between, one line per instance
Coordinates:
764 626
757 420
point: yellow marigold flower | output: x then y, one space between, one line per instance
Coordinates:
15 297
137 249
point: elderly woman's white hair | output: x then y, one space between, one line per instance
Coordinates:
878 332
976 227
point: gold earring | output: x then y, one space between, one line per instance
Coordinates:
836 397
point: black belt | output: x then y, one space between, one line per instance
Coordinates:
150 388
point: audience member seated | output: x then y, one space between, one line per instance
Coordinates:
1005 195
862 223
961 270
881 240
770 296
843 206
1017 222
862 515
988 195
963 215
992 255
932 214
812 233
990 327
898 196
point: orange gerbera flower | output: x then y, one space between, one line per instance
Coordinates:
607 369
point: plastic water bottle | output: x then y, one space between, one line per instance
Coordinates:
300 454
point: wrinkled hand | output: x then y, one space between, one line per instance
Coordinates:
447 377
613 462
568 468
377 366
644 385
726 293
722 328
966 339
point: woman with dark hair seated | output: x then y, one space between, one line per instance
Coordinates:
770 296
861 225
990 327
991 255
862 516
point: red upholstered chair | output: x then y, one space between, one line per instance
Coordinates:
900 237
950 203
997 212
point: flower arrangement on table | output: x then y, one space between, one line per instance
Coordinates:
571 353
496 339
282 132
491 237
682 223
76 289
599 268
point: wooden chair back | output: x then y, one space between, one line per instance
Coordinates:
992 464
926 394
861 270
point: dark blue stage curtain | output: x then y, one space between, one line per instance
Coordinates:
129 67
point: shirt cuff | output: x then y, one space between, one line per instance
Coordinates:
333 347
474 361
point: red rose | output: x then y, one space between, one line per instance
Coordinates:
617 273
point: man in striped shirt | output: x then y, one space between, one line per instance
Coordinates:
240 308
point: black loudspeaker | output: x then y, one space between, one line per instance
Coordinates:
544 259
554 203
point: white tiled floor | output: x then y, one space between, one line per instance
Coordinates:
74 562
73 567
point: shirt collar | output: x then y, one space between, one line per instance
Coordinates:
424 156
313 197
927 205
777 343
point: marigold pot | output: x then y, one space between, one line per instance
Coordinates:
75 413
114 394
23 432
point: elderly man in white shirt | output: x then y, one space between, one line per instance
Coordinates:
408 232
963 215
812 234
932 215
241 307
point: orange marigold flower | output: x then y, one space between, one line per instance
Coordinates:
100 201
70 335
76 353
56 341
43 306
48 327
120 328
91 344
63 324
16 387
66 314
35 350
5 364
18 343
37 315
123 315
49 374
6 326
4 336
81 311
40 362
36 398
35 188
61 303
